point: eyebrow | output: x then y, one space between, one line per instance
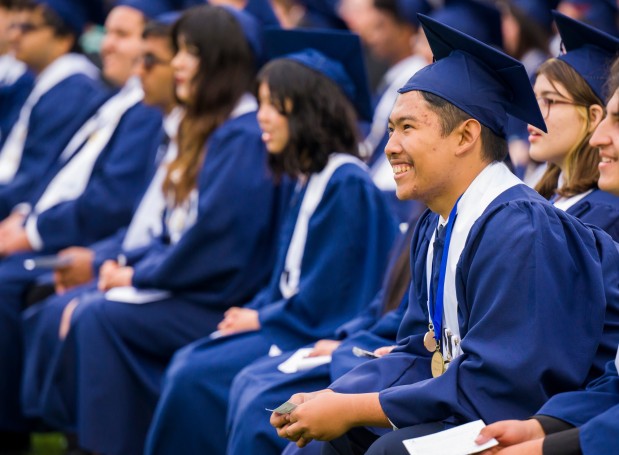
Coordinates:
402 119
552 92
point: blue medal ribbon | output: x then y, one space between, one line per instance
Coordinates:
437 313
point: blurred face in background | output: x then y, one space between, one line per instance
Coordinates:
33 41
122 45
274 124
186 64
156 73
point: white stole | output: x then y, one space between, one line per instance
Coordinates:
494 180
11 69
59 70
146 221
289 281
73 178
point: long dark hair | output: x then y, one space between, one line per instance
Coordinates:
321 120
581 164
226 71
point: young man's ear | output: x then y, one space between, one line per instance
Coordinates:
468 134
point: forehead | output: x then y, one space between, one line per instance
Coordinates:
613 103
126 19
545 85
412 106
158 45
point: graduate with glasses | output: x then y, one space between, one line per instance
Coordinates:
333 250
586 421
570 90
484 335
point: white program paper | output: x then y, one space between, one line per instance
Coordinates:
129 294
299 361
455 441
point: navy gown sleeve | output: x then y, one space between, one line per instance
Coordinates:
346 253
53 122
118 178
228 254
12 98
600 209
515 308
108 248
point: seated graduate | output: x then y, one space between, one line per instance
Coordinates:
89 192
216 250
67 92
263 385
569 90
587 421
41 322
490 263
333 251
15 79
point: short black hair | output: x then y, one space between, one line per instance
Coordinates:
321 119
157 29
494 146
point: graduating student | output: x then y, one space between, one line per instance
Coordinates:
42 322
91 190
66 93
334 246
15 79
484 334
580 422
569 90
216 249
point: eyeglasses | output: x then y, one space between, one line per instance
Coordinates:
26 27
546 103
149 61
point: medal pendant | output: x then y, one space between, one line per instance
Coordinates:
429 342
437 364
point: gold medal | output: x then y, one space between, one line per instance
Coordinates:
437 364
429 342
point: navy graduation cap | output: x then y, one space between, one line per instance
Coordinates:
482 81
538 10
478 19
336 54
588 50
74 13
408 10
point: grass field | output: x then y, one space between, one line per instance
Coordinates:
48 444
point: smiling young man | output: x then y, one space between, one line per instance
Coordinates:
498 273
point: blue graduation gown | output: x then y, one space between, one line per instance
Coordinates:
594 410
349 237
106 376
512 318
600 209
53 122
12 98
117 179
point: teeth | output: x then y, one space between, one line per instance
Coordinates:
607 160
400 168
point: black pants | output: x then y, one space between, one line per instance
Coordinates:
359 441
